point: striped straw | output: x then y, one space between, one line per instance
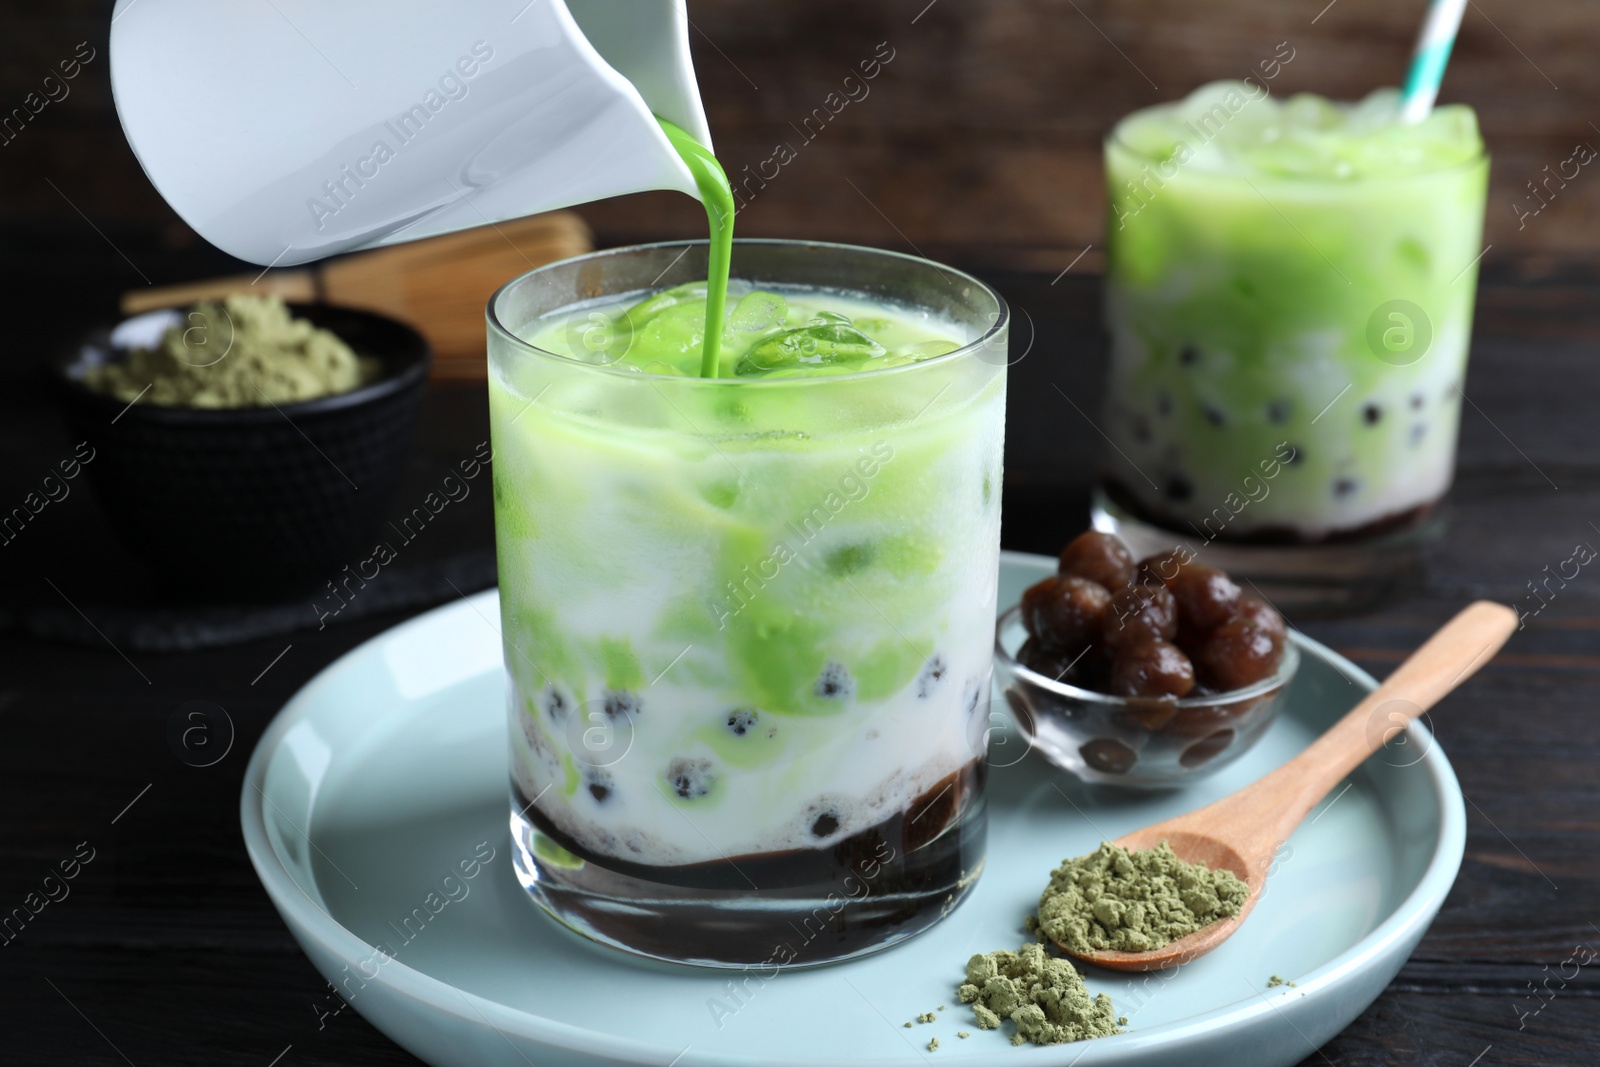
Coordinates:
1428 61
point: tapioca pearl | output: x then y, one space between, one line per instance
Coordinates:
690 777
1297 455
974 694
600 784
742 720
1099 557
1214 414
1206 749
554 702
826 815
1419 430
1108 755
531 732
1345 487
835 683
1278 410
1371 414
931 811
1178 488
620 704
933 673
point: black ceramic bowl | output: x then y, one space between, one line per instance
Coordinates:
260 501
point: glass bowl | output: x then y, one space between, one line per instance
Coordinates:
1143 743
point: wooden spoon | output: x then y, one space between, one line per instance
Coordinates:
1241 832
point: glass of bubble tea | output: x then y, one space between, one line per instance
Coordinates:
1289 295
748 620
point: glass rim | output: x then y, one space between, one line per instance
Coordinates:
1279 678
1001 322
1113 140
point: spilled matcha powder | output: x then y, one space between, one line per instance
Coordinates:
1134 901
1044 996
245 351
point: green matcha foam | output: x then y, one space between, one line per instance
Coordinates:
772 332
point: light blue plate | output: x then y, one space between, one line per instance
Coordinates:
375 812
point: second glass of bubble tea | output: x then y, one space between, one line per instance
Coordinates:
1289 294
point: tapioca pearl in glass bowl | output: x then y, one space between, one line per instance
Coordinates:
1137 742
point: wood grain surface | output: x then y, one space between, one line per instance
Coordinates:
978 143
168 952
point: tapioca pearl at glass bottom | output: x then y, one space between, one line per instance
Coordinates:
835 682
690 777
620 703
599 783
554 702
931 675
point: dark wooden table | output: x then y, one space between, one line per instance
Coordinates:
166 950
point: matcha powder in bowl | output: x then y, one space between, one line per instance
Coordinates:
246 351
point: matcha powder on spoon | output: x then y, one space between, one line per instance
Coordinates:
1134 901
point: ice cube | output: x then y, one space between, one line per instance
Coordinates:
646 309
758 312
829 318
827 343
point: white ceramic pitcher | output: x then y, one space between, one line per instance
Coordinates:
288 130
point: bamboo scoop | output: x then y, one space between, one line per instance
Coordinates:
1241 832
438 284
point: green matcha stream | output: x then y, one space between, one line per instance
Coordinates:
717 329
717 195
